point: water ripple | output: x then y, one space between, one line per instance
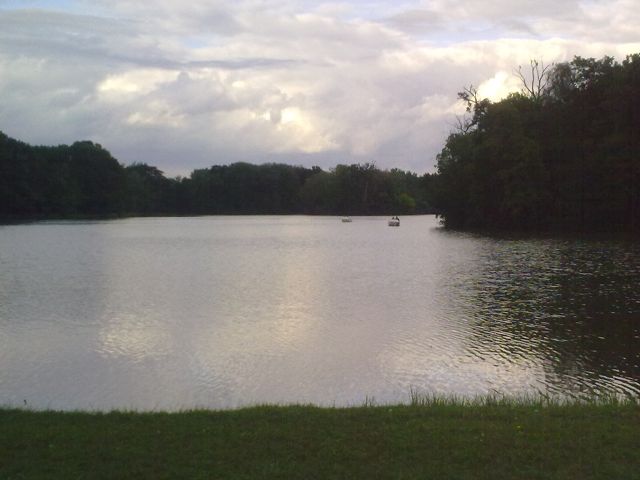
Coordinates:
226 311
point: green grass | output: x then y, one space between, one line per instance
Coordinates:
436 438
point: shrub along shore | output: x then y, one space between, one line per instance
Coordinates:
430 438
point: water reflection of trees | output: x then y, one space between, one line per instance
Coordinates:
571 305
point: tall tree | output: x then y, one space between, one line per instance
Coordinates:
563 154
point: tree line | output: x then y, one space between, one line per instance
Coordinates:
563 154
83 179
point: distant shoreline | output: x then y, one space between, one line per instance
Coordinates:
9 220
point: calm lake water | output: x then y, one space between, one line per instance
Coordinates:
176 313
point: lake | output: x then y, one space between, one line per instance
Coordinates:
228 311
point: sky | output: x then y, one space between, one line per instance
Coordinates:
189 84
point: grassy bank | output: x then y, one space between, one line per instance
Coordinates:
439 439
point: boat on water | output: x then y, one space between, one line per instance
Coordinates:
394 222
346 219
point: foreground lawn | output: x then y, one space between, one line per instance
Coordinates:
441 440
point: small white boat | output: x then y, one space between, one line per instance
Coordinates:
346 219
394 222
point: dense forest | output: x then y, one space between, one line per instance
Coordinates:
83 179
564 154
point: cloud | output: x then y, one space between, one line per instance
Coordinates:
184 85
